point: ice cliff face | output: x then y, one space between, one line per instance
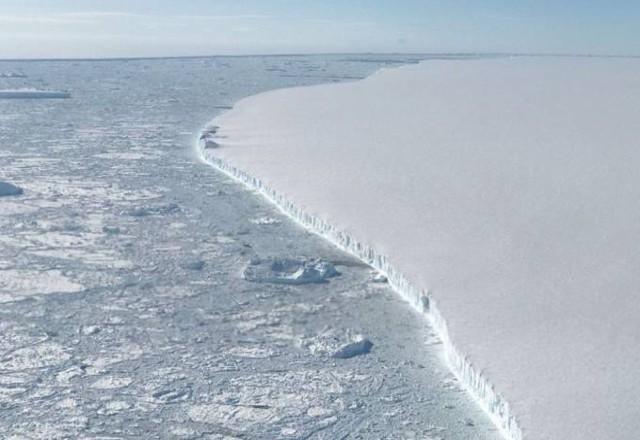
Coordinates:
478 386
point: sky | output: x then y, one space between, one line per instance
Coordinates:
139 28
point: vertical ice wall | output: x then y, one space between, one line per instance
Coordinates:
478 386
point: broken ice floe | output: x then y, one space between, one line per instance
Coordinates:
289 271
7 189
16 285
363 346
339 344
41 355
111 383
144 211
265 400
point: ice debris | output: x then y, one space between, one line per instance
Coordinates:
379 278
7 189
265 221
207 137
356 348
289 271
144 211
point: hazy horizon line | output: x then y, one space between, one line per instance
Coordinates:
302 54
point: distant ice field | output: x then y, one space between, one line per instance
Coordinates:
505 192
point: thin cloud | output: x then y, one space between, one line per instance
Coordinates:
65 18
38 19
97 15
225 17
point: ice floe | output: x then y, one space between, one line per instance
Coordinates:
356 348
289 271
16 285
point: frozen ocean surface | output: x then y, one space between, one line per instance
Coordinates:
498 194
124 313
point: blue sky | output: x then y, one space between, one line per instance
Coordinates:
116 28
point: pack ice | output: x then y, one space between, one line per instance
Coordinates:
500 196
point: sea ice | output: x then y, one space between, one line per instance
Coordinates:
497 195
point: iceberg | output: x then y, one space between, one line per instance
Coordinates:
7 189
499 197
34 94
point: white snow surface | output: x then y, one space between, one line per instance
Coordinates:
504 190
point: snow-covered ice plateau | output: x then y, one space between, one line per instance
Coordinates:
500 197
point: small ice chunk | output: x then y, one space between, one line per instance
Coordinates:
207 138
362 346
144 211
7 189
265 221
289 271
114 407
379 278
90 330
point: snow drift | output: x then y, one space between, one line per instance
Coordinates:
498 194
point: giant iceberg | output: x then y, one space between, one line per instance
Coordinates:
499 196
